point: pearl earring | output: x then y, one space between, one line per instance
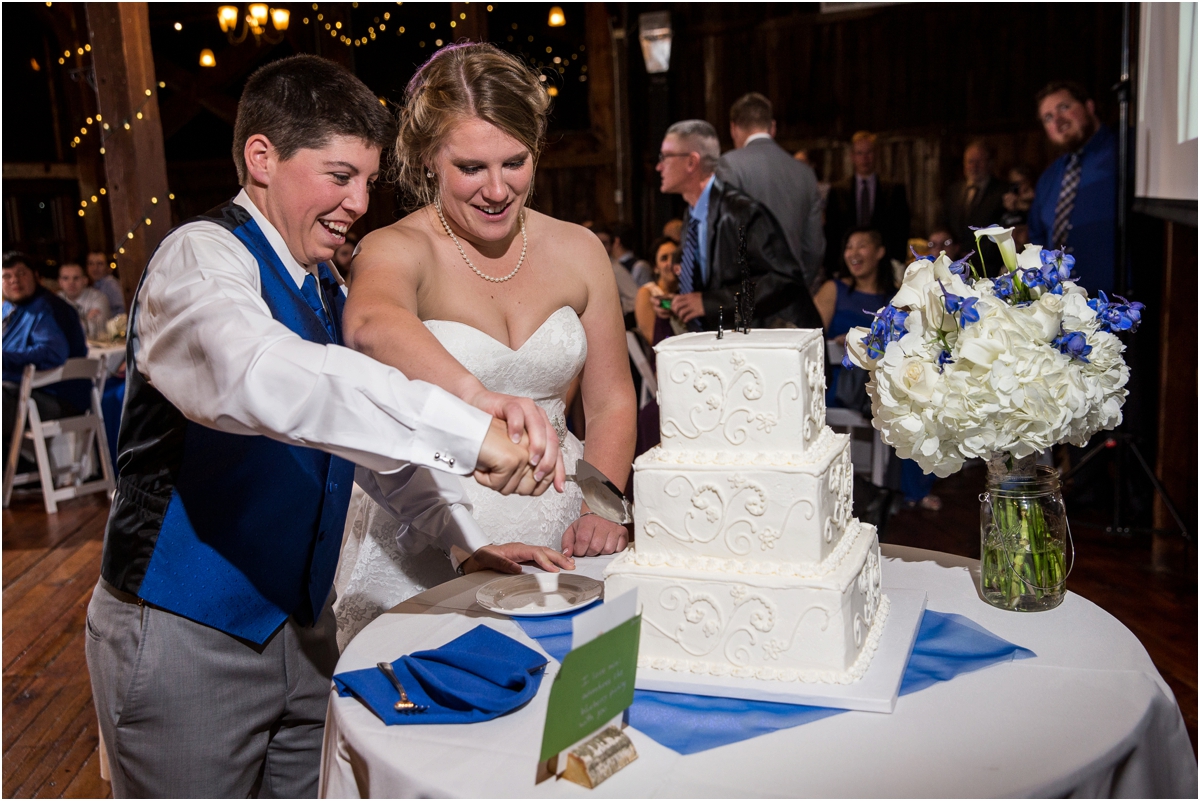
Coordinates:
428 173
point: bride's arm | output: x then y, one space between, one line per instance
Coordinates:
609 403
381 321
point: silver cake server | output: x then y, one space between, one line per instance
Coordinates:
601 495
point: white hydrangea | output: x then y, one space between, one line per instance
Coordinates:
1006 388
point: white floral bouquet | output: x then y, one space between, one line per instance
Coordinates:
968 367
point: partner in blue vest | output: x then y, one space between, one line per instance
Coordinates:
211 639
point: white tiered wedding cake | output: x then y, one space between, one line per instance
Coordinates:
746 556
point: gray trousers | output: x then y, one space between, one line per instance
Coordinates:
189 711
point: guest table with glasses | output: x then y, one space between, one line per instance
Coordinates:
1086 714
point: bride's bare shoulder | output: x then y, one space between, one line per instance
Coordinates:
405 245
570 242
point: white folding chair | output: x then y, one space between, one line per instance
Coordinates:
868 458
649 381
61 481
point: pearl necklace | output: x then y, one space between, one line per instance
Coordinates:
520 261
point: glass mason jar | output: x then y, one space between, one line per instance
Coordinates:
1024 536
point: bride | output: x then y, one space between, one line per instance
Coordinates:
489 299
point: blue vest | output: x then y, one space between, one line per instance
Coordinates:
235 532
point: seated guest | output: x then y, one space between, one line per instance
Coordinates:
42 330
720 219
942 240
344 255
653 305
627 287
865 285
1017 202
90 303
976 201
866 200
102 278
623 239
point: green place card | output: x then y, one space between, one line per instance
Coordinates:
594 685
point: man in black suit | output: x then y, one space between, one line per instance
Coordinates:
766 172
718 218
865 200
976 200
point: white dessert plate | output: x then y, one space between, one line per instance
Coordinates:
539 594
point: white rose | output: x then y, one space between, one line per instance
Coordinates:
1030 258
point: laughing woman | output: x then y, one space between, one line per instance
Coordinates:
481 295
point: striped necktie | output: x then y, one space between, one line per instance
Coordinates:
1066 202
689 273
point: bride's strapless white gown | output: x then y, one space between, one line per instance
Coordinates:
377 571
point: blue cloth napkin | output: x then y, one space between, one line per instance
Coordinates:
479 676
947 645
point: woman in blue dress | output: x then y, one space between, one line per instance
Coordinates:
864 285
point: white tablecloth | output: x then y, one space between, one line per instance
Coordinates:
1090 717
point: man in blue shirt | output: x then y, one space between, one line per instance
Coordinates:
43 330
1076 198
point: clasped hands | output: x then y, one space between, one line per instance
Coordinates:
686 307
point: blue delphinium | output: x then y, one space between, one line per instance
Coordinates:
963 307
961 266
918 256
1074 344
943 360
888 326
1002 286
1124 316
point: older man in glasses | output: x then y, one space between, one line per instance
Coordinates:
720 218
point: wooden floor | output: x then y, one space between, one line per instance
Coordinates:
51 564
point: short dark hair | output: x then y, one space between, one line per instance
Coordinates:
1073 88
14 257
752 111
302 101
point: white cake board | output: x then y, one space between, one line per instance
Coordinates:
876 691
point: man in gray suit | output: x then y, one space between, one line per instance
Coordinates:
768 173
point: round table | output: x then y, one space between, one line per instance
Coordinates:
1089 716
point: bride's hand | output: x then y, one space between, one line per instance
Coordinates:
504 558
592 535
504 465
526 417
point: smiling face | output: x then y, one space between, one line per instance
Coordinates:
314 197
1068 122
71 280
484 176
862 256
663 269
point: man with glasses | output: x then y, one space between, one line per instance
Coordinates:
1075 203
718 220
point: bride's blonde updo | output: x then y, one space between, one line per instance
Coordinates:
457 83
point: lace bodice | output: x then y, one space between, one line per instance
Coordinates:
378 571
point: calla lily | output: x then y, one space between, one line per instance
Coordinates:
1003 239
1030 258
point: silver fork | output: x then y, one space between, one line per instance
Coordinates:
403 705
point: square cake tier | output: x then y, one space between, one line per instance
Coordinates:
762 392
771 627
744 506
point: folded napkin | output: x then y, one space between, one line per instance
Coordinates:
479 676
947 645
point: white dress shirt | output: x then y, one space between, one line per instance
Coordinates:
206 340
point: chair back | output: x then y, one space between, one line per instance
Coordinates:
633 342
72 370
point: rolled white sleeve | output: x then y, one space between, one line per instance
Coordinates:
206 340
431 508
